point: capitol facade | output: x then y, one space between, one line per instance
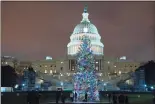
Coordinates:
107 68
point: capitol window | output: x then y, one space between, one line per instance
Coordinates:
96 68
85 29
51 71
61 68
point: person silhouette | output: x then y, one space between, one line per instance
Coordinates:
114 99
72 96
75 95
31 97
109 97
58 94
37 97
121 99
86 96
126 99
63 97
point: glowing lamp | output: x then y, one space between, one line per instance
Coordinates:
152 87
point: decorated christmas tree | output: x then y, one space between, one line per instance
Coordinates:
85 80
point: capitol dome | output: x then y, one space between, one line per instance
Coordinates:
91 28
85 28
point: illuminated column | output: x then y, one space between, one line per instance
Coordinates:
73 49
95 48
69 49
69 65
92 48
98 49
102 50
76 49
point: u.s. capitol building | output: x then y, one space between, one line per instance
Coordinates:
106 67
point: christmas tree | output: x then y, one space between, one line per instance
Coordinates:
85 80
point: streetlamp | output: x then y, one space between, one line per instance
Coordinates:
152 87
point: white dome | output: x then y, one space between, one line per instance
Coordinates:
85 28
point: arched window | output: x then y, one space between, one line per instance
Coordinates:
61 68
45 71
51 71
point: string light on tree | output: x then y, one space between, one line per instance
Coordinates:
85 80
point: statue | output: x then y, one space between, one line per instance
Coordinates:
85 9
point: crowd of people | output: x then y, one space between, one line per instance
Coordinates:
33 98
73 97
118 98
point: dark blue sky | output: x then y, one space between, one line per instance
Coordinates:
33 30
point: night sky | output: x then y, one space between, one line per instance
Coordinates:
33 30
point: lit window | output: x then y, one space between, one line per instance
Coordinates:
68 74
45 71
96 68
100 74
119 72
61 74
50 71
62 62
85 29
6 62
108 62
96 62
61 83
115 66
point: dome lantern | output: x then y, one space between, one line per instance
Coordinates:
85 14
